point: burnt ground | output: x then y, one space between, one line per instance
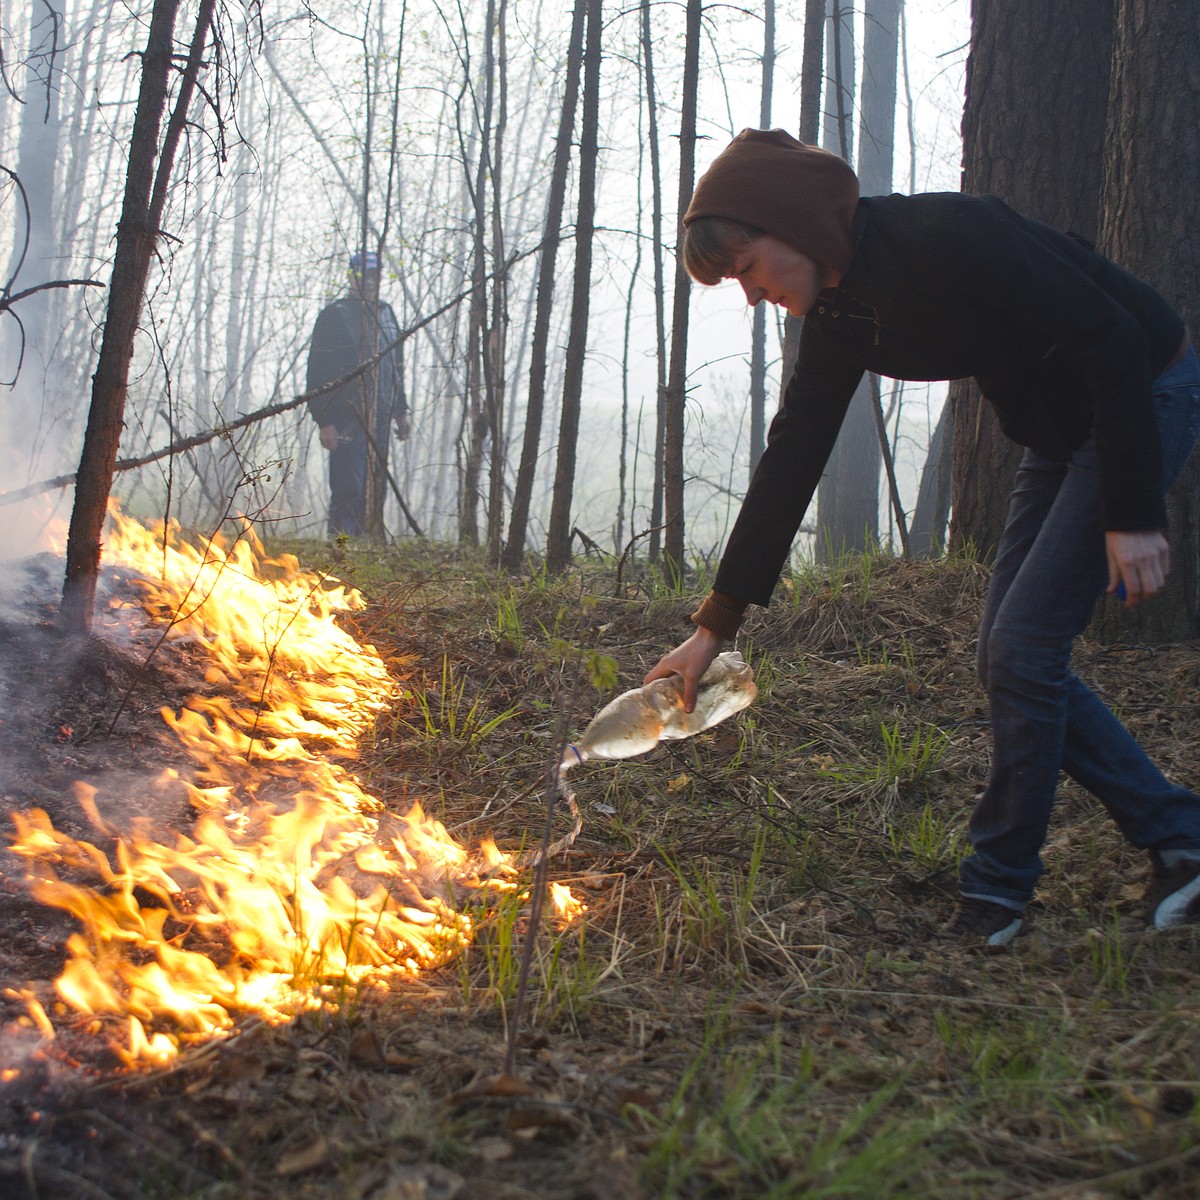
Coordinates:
757 1003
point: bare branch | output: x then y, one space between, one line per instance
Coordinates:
6 302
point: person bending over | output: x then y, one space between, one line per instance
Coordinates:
1086 366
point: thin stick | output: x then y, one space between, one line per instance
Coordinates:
553 773
886 450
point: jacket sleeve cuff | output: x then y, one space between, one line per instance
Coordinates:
721 614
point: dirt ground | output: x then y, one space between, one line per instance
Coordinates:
756 1002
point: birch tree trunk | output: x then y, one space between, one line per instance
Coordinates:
498 333
477 338
37 159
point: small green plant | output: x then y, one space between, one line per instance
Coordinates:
930 842
1111 960
508 620
569 975
715 913
743 1124
565 976
495 946
904 764
765 674
601 670
446 713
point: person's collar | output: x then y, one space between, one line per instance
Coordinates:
857 232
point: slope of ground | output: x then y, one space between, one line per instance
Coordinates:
755 1003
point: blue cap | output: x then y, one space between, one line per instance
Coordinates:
363 261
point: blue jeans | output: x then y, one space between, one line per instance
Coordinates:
1051 567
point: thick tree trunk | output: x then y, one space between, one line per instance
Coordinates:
137 235
558 537
1035 138
1150 223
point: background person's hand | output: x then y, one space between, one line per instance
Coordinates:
689 661
329 437
1138 564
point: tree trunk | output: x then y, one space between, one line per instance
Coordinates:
558 536
478 341
758 334
1150 224
812 69
660 291
673 520
137 236
928 533
498 333
535 405
368 333
37 160
837 133
848 495
1035 138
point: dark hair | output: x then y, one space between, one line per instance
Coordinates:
712 246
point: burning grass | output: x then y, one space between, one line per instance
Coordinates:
752 1004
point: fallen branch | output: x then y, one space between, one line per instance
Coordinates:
260 414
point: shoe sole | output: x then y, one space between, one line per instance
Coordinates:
1174 910
1003 936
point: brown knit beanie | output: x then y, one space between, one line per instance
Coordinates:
800 194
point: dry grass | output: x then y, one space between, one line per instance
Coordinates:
755 1005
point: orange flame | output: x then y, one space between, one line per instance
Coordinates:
288 881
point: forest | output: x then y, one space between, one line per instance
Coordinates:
304 894
456 146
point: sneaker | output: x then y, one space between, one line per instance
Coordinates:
1174 895
982 922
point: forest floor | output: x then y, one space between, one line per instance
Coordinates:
756 1002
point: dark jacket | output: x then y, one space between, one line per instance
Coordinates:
1063 343
346 334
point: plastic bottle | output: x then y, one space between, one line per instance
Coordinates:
636 721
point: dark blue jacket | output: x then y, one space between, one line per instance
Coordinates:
347 333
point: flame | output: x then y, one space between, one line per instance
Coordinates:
567 906
292 878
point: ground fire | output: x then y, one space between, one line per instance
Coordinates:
291 881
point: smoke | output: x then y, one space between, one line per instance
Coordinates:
41 432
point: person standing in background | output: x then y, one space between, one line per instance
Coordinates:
349 332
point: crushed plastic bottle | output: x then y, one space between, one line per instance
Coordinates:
636 721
